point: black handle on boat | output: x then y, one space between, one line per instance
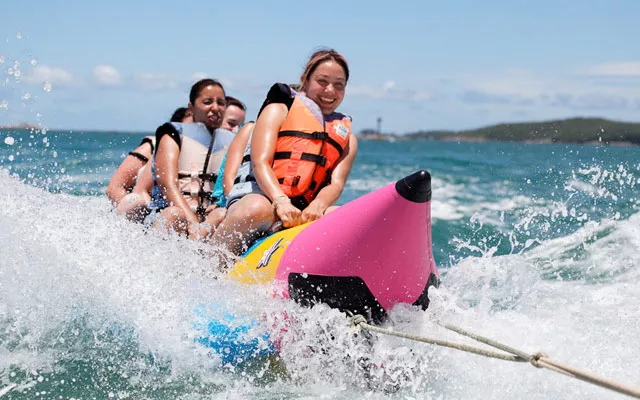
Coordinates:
415 187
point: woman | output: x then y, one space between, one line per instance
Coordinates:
234 115
301 154
132 170
135 205
187 162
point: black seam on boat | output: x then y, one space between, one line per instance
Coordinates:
423 300
346 293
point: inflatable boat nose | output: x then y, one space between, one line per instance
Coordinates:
370 254
415 187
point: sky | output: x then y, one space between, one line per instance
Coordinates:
419 65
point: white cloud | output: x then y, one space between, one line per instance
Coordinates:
151 81
389 90
50 75
590 101
613 69
566 91
421 95
227 83
388 85
514 83
196 76
107 75
376 92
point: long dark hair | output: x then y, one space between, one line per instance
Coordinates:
179 114
197 88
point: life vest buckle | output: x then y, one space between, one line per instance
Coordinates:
320 135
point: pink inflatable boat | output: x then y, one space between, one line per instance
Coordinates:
364 258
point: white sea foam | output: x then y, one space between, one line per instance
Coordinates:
574 297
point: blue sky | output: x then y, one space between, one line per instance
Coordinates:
126 65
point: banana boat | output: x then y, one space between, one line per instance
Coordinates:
363 258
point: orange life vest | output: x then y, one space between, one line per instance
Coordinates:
308 149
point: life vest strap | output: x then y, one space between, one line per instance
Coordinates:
203 195
150 141
316 158
138 156
315 135
205 177
294 182
247 179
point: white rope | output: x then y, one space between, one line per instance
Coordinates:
539 360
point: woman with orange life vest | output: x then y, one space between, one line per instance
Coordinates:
300 157
187 161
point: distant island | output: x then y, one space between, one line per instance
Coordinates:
572 130
23 126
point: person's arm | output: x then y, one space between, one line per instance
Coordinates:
167 155
263 148
234 156
125 176
144 182
329 194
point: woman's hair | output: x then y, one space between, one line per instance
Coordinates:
179 114
197 88
232 101
318 58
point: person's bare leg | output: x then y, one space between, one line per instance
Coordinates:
135 206
246 219
172 219
215 217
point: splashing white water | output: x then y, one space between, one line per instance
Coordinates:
67 258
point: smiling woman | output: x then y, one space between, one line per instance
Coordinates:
300 155
187 162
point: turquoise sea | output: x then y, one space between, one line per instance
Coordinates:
538 246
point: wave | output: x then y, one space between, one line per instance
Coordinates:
105 307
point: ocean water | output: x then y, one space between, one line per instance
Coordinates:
538 246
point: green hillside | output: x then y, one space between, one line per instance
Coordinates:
574 130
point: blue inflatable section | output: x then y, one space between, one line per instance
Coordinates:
237 339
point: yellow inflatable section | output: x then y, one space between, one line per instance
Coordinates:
260 263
